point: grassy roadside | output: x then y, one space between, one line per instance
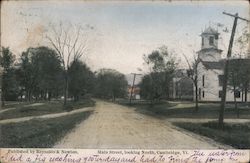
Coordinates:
186 110
236 135
46 108
39 133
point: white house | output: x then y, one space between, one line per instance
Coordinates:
210 69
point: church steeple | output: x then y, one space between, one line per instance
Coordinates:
209 46
209 38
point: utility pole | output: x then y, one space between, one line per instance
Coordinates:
132 88
229 52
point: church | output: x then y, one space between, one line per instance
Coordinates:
210 70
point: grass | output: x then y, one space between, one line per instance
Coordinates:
23 110
236 135
14 104
186 110
39 133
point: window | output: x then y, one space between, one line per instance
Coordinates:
211 40
203 80
220 94
237 94
199 93
202 41
203 94
220 80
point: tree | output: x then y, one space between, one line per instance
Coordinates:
111 84
70 44
47 64
242 43
234 79
239 76
8 84
27 74
81 80
152 86
192 73
40 73
157 83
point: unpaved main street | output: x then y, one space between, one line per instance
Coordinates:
116 126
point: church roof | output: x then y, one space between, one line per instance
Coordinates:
210 30
220 64
209 49
214 65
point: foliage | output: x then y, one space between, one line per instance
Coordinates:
81 80
6 58
9 83
161 60
10 88
239 74
40 73
152 86
242 43
157 83
111 84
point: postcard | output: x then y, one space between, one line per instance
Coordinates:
125 81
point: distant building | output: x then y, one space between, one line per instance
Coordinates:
135 92
210 69
182 87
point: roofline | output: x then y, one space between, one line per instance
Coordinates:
210 49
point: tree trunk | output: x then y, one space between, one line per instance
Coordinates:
66 89
242 94
196 97
2 99
246 90
49 95
235 104
29 95
234 91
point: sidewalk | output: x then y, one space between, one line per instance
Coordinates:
55 115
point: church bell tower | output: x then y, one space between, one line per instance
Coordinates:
209 45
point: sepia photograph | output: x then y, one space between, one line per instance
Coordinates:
113 74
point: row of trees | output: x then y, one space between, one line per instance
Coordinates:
156 85
239 79
39 75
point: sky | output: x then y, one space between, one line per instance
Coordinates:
122 31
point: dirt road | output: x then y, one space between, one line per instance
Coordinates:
116 126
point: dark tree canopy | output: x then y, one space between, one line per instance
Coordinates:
9 84
239 75
40 73
162 64
111 84
81 80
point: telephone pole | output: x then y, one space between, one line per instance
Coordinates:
132 88
229 52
